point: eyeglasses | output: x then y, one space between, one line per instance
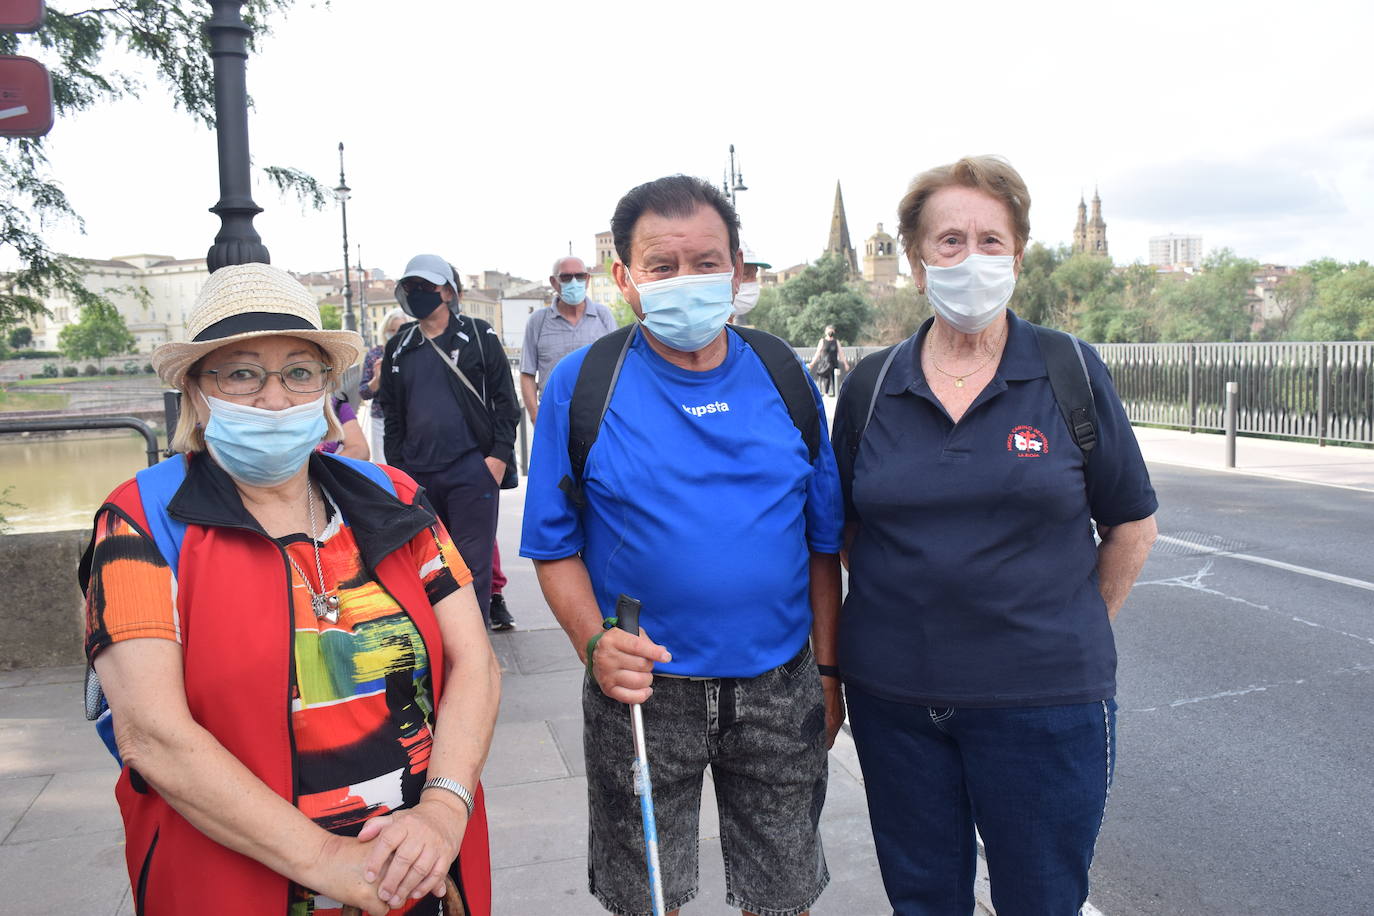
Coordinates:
568 278
305 377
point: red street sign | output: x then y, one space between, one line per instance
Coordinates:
21 15
25 98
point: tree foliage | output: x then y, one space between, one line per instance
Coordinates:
101 332
21 336
169 35
799 310
1342 306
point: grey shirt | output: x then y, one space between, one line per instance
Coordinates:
549 337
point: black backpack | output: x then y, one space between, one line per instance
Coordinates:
601 369
1068 378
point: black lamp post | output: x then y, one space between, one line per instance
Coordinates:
735 181
237 242
341 195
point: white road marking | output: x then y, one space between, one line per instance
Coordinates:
1265 561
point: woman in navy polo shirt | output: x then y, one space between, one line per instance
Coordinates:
976 642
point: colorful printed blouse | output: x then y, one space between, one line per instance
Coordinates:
362 707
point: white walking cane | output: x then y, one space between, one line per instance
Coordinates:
627 618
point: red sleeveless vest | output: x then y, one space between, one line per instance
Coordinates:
237 664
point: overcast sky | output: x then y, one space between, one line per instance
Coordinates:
495 133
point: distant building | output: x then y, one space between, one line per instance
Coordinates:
605 248
1090 235
1266 291
516 309
838 242
1176 251
153 292
880 259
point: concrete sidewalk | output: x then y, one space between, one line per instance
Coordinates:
1304 462
61 842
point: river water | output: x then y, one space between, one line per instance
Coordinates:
58 483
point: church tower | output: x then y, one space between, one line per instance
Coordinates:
1097 229
880 259
1090 235
839 234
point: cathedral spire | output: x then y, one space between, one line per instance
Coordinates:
839 234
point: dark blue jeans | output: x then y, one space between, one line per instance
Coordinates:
1034 779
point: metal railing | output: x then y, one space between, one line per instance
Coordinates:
1321 391
65 424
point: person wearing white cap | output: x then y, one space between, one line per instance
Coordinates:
245 598
451 412
749 287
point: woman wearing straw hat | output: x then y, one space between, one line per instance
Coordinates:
300 683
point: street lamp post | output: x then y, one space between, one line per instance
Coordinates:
341 194
735 181
237 241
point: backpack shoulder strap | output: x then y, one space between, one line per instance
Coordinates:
369 470
156 487
591 396
790 379
870 374
1072 387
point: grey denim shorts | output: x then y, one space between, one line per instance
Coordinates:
764 740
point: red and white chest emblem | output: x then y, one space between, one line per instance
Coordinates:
1027 442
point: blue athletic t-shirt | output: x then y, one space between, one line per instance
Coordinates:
702 503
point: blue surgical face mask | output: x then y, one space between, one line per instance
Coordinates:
263 447
687 312
573 292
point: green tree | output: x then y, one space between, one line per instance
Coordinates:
820 295
1085 282
1217 304
1122 309
167 33
331 319
1344 307
101 332
21 336
896 316
1037 299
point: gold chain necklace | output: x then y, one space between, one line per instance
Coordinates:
325 605
959 379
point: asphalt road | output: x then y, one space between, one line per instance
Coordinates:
1245 774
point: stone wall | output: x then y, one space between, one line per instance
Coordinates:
42 616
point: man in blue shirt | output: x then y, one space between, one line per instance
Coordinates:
703 502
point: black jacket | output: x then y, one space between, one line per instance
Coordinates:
482 360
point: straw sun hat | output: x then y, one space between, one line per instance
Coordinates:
252 300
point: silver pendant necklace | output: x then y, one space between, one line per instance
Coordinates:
324 604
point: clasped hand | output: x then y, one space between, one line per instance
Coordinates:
395 857
623 665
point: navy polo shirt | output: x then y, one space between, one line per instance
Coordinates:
973 573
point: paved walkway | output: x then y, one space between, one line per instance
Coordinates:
60 836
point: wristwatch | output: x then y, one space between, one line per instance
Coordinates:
454 786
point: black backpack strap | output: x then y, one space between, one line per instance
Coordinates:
789 377
590 398
1073 390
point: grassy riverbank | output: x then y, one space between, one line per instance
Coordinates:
31 400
